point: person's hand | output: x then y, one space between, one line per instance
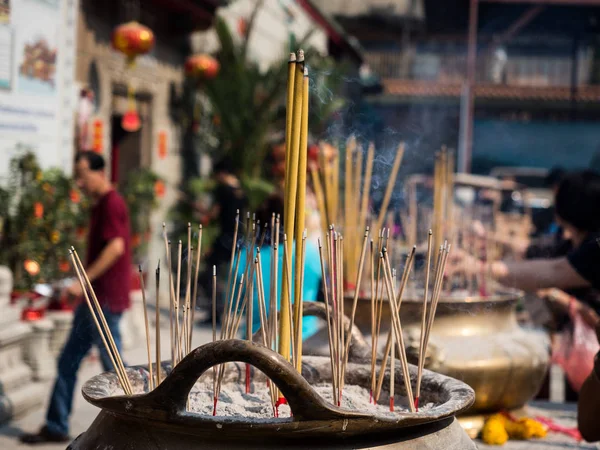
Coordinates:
555 296
588 315
74 291
460 261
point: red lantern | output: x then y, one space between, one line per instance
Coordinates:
131 121
132 39
202 66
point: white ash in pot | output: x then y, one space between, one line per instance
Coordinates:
233 401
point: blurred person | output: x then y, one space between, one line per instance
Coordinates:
577 213
108 267
588 406
312 267
228 198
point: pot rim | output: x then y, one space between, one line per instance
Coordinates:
98 389
504 295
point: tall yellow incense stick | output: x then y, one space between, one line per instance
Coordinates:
335 215
300 221
288 116
390 186
348 191
450 196
289 206
318 187
367 186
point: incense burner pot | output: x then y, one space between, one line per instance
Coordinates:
479 341
158 420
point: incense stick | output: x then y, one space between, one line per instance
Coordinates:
289 117
288 275
398 330
392 366
171 294
300 222
354 303
328 319
373 326
195 294
158 359
147 326
111 347
397 302
214 323
285 340
390 186
188 294
424 318
177 300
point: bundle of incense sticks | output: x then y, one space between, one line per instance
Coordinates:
442 213
296 145
100 322
443 196
181 314
354 215
339 333
380 265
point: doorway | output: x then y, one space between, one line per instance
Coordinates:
130 151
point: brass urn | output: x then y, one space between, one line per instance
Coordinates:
479 341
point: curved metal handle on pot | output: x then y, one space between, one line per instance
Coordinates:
304 401
360 350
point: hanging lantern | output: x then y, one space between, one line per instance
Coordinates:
202 66
131 119
132 39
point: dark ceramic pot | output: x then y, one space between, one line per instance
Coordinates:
158 419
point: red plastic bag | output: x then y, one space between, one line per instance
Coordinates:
574 350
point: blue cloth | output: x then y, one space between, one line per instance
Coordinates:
312 281
83 335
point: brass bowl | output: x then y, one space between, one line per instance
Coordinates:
479 341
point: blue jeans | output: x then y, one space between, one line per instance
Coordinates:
83 335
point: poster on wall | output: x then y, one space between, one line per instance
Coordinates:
37 39
37 48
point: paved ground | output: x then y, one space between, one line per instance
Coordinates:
84 413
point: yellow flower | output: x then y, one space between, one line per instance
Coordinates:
493 432
525 429
54 237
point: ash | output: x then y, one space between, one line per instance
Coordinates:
233 401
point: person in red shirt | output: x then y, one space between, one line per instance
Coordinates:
108 267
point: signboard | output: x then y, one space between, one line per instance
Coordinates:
37 49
